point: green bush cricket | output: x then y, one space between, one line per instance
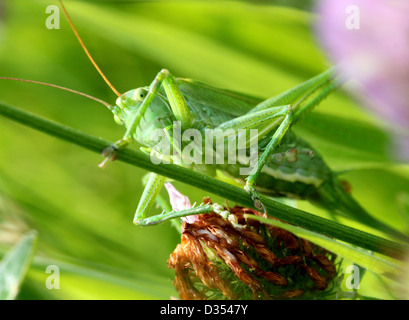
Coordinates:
287 165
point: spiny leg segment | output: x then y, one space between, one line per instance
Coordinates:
302 98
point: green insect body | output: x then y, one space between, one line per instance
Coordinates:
293 169
281 176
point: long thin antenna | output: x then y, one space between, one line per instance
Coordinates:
86 50
62 88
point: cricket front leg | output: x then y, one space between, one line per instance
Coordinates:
152 188
110 153
150 195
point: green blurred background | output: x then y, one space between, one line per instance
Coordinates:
83 215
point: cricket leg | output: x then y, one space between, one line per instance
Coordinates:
263 121
272 145
256 119
152 188
149 221
150 195
260 120
302 98
295 96
155 182
176 100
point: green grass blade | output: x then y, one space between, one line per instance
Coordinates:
79 280
14 266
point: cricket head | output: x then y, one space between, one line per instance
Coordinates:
127 104
157 115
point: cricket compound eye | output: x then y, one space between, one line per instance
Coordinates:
139 94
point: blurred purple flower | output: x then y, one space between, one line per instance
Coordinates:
369 40
179 202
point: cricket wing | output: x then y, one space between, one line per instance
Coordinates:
222 100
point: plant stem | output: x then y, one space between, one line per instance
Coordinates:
238 195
